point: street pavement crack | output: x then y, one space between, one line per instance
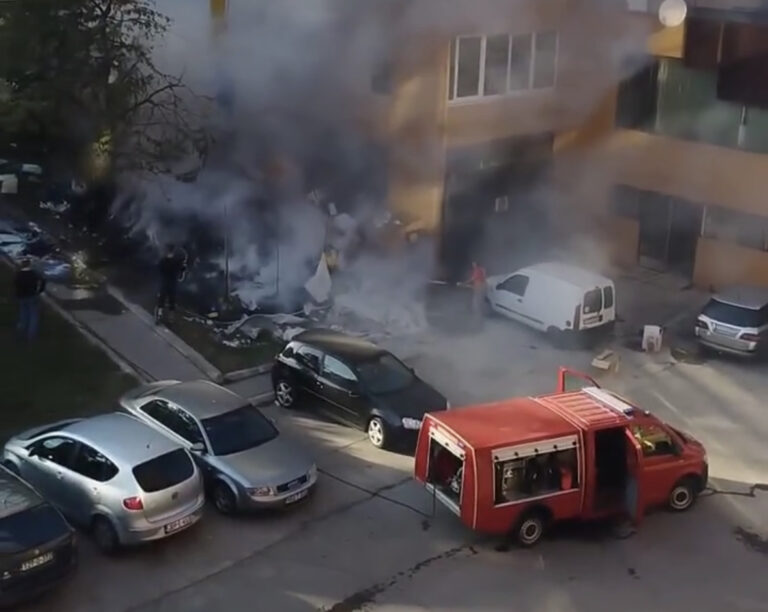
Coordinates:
302 528
359 600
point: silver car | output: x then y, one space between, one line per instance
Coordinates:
111 474
245 460
735 321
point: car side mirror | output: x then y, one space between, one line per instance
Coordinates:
198 447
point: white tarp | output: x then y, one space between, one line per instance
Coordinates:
9 184
319 286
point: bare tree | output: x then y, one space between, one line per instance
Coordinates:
81 77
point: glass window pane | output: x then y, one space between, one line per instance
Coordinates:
545 60
468 68
734 226
496 56
452 69
688 107
756 131
520 62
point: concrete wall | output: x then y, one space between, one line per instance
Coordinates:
721 263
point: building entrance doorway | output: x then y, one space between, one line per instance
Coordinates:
491 184
669 229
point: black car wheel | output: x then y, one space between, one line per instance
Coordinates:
104 535
377 432
223 498
285 393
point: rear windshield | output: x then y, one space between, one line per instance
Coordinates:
164 471
593 301
608 297
733 315
30 527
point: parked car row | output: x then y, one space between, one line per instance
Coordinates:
134 477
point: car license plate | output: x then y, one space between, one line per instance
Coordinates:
37 562
292 499
176 525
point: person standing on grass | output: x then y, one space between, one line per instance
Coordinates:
29 284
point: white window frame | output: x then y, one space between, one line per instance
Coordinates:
453 65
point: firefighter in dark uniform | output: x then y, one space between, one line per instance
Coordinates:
171 268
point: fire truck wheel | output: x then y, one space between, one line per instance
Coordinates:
530 528
683 495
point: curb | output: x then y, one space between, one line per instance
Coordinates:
168 336
122 363
262 399
238 375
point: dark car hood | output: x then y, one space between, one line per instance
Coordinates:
412 401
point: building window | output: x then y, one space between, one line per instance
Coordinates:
544 60
468 55
734 226
520 62
668 98
501 64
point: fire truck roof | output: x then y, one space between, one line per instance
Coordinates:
530 419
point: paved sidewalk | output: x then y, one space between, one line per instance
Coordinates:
129 336
138 342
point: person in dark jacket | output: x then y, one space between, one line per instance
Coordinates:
29 284
171 268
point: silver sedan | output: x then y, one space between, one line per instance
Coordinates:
113 475
246 462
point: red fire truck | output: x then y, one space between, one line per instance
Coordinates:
515 466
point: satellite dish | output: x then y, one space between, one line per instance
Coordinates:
672 13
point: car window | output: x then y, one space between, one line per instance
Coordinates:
92 464
593 301
158 410
312 357
164 471
337 371
57 449
177 420
654 440
732 315
516 284
384 374
238 430
608 297
185 425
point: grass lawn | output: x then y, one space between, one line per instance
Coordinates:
225 358
58 375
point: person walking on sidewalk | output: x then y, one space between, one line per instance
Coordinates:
29 284
171 268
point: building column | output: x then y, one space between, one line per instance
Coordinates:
417 149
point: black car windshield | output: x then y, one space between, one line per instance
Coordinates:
384 374
733 315
238 430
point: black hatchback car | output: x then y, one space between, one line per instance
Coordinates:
37 546
358 383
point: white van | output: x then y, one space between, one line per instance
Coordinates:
554 298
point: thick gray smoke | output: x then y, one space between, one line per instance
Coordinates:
292 76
